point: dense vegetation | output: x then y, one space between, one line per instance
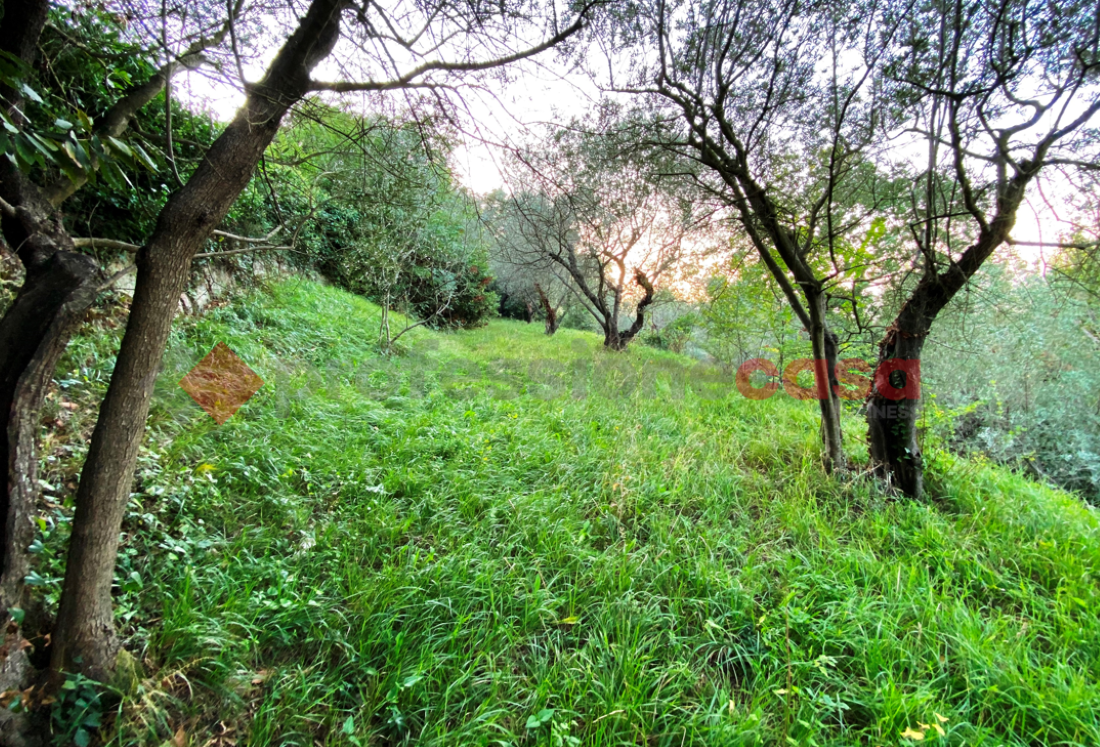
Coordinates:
500 538
435 527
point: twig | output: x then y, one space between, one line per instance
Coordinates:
125 246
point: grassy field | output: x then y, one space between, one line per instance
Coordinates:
499 538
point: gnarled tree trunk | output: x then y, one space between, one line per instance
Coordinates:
58 287
823 342
892 424
617 339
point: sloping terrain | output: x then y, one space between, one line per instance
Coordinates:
503 538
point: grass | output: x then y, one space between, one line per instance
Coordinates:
500 538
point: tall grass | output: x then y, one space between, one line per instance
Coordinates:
499 538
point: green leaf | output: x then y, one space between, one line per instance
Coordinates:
17 615
120 146
82 157
31 94
34 579
540 718
25 152
46 147
82 738
63 124
144 158
8 124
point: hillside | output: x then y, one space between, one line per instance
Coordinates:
503 538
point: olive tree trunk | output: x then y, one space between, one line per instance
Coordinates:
891 420
823 343
892 423
84 635
618 339
552 320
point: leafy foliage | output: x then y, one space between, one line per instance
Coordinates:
391 222
1015 376
53 130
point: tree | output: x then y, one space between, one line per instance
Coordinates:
478 37
778 103
999 94
394 225
52 138
745 316
522 274
603 220
829 94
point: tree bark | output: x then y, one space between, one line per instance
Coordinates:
616 339
892 431
33 335
892 424
59 286
823 343
548 308
84 636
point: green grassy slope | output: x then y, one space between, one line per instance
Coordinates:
504 539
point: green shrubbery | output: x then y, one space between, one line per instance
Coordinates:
1015 374
673 336
367 201
390 221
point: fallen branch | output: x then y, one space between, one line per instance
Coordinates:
115 278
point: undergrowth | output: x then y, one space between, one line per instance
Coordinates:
499 538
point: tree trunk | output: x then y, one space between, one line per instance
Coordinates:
33 335
548 308
616 339
891 427
84 635
59 286
892 422
823 342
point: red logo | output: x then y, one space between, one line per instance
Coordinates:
851 385
221 383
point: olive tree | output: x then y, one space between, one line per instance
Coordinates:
605 221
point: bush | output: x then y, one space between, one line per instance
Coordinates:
674 336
